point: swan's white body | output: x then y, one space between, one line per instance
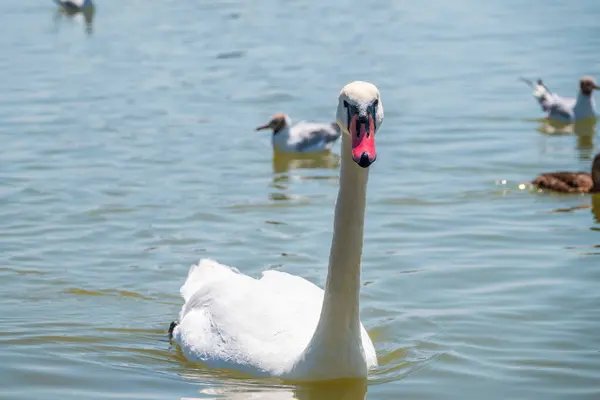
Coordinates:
282 325
563 109
255 326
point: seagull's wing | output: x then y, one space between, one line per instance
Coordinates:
70 4
308 135
562 108
554 105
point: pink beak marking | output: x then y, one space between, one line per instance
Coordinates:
363 142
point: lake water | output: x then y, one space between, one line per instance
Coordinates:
129 153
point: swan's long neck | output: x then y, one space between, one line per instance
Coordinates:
341 303
336 350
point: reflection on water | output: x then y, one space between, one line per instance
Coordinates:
571 209
336 390
596 207
584 130
283 162
232 384
87 13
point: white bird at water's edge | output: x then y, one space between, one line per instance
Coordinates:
282 325
303 137
564 109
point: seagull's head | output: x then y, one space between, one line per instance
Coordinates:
359 115
587 84
277 123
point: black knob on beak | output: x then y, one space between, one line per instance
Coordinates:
364 160
363 119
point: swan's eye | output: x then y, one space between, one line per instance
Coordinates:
373 111
350 111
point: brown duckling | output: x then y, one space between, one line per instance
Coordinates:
572 182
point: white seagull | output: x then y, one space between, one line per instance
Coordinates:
74 5
566 109
282 325
303 137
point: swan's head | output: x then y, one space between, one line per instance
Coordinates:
359 115
587 84
277 123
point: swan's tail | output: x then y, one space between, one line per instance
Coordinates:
204 273
201 275
171 328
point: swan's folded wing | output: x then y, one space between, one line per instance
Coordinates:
232 320
291 285
203 274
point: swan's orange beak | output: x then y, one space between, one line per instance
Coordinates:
362 130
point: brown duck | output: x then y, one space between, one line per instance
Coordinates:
572 182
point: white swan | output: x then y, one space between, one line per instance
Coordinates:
566 109
282 325
303 137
